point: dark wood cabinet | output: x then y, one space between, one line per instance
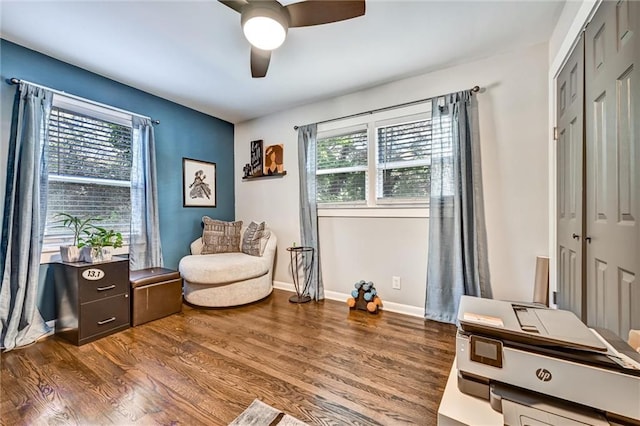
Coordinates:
92 299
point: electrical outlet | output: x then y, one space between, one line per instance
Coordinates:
395 283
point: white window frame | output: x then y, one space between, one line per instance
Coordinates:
373 207
50 247
338 132
417 202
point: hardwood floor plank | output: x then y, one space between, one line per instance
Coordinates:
328 347
319 362
312 372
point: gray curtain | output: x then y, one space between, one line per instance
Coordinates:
24 217
457 254
145 250
309 207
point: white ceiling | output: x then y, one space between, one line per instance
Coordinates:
194 53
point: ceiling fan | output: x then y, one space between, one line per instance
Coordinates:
265 22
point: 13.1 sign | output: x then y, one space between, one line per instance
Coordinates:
93 274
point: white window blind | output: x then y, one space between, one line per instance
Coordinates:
403 161
378 160
89 163
341 171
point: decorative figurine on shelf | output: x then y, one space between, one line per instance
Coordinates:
365 297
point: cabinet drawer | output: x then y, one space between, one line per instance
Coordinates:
100 280
103 316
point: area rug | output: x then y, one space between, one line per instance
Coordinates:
261 414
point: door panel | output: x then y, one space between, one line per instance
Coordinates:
629 291
599 278
612 103
569 150
626 186
599 158
575 293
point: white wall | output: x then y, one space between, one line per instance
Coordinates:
514 130
375 249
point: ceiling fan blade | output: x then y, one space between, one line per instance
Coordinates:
236 5
259 62
316 12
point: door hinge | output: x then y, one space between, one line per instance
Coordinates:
555 133
555 297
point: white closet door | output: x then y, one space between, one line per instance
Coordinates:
612 94
570 155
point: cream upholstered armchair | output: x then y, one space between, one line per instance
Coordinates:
237 272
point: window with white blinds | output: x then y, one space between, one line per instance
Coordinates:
89 165
403 161
383 160
341 172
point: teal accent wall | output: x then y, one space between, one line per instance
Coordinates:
182 132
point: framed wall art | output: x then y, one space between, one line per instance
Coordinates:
274 159
198 183
256 158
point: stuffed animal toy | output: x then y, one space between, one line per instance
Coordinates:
365 297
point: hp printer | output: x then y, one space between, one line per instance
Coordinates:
540 366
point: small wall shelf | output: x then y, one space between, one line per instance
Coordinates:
275 175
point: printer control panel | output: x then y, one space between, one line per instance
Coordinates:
486 351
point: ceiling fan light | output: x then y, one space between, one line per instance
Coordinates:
264 32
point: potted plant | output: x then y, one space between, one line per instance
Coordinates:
98 246
79 225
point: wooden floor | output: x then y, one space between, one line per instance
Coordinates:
319 362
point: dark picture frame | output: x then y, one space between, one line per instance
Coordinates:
198 183
256 158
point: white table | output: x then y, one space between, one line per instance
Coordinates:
457 408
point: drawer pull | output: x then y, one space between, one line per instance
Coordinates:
106 321
108 287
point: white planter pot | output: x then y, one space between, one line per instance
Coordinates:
107 253
96 254
87 255
70 253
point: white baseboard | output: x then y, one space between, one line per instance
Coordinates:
281 285
414 311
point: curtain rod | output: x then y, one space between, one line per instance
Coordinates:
79 98
474 89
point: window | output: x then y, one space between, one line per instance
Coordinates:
89 162
384 160
342 167
403 161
